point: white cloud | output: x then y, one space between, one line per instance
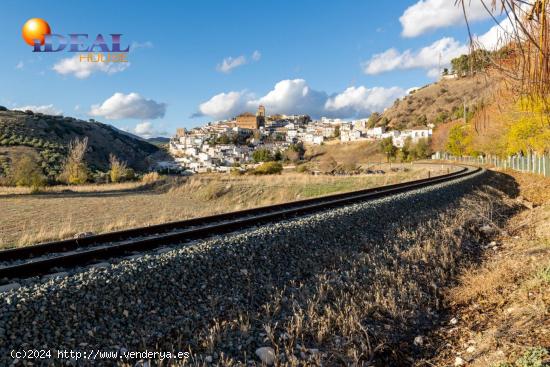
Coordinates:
362 101
122 106
19 65
230 63
499 35
223 105
82 70
146 129
428 57
428 15
45 109
256 55
295 96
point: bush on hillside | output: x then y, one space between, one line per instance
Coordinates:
268 168
262 155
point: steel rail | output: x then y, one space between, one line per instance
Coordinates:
29 261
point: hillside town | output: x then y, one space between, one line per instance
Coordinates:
222 145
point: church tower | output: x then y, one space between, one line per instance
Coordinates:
260 115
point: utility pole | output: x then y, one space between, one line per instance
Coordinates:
464 101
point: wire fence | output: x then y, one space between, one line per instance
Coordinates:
539 164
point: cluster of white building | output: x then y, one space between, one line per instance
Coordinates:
221 145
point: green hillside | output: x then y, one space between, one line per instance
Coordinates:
46 137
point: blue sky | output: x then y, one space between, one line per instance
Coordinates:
316 57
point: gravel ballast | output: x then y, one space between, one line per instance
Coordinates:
173 296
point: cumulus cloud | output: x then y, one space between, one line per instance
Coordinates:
230 63
362 101
293 96
20 65
146 129
133 105
428 15
296 96
428 57
223 105
498 35
48 109
82 70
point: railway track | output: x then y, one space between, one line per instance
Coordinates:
57 256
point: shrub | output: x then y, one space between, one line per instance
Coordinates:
150 177
262 155
75 170
269 168
302 168
118 169
25 171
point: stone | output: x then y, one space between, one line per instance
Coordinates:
459 361
266 355
60 274
454 321
83 234
471 349
9 287
208 359
418 341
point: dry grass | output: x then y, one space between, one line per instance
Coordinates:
362 152
57 213
503 304
64 189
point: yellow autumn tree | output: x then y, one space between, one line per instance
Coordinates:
529 129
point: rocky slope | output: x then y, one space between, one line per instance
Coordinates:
439 102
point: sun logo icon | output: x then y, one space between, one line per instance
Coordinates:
35 29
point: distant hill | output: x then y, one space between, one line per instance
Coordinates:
439 102
160 140
47 138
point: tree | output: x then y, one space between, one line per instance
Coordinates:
373 119
383 122
118 171
457 143
423 149
26 172
295 152
407 152
336 132
529 132
75 170
387 147
262 155
422 120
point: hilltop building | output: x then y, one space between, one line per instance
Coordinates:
250 121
